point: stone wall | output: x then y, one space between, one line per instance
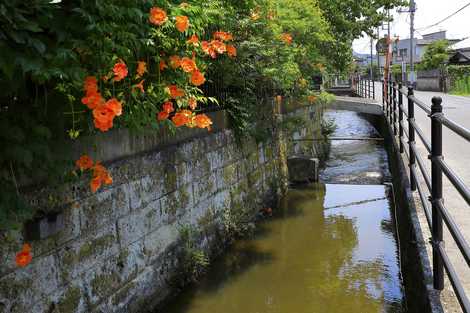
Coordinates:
304 131
120 250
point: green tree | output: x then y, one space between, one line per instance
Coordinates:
349 20
435 56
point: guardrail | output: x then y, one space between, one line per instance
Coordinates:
436 213
364 88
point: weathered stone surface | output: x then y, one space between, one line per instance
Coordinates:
118 250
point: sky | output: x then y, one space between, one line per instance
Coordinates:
428 12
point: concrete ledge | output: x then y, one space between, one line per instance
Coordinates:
359 105
118 144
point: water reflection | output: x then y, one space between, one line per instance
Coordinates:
326 250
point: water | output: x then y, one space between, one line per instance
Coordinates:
355 161
329 248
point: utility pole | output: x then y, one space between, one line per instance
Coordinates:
378 54
371 57
412 33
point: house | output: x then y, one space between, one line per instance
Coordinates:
460 57
401 48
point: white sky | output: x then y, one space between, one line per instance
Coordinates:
428 12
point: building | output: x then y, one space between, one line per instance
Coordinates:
460 57
401 47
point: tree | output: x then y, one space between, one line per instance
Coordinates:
348 20
435 56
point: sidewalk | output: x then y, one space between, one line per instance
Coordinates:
457 154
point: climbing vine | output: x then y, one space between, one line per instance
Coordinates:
76 67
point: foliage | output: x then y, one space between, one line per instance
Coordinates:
194 260
50 48
435 56
349 19
460 79
461 86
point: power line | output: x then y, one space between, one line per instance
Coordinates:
445 19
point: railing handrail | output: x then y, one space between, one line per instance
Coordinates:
436 213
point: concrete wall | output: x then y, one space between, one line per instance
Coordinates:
429 81
121 249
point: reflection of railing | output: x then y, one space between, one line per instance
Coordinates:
364 88
435 211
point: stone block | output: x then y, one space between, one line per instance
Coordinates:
303 169
104 207
79 256
205 187
157 242
139 223
176 204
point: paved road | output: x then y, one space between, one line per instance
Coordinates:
457 155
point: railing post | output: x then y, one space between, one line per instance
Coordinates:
394 115
373 89
383 95
436 194
360 86
400 117
411 137
390 102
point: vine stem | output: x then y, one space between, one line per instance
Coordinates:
14 178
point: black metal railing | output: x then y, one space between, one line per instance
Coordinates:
432 199
363 87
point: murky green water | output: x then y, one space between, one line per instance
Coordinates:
330 248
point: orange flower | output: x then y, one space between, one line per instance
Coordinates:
175 92
203 121
93 100
163 65
120 71
192 102
115 106
103 117
311 99
231 51
188 65
168 107
197 78
140 86
90 84
182 118
24 257
157 16
208 49
175 61
100 176
224 36
84 163
141 68
163 115
194 40
287 38
182 23
95 184
218 46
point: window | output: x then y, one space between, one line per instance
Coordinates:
404 53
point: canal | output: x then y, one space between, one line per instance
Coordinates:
330 247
